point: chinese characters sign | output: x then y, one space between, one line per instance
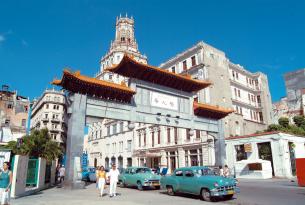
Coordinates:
163 101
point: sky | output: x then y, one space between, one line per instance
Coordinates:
38 39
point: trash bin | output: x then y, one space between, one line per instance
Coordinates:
300 165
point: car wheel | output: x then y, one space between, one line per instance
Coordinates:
139 186
206 195
170 190
122 184
228 197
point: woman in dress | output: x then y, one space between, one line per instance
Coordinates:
6 177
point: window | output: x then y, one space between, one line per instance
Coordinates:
129 145
249 97
46 116
159 136
121 146
110 76
108 130
121 126
233 74
122 39
238 93
139 140
179 173
173 69
258 99
144 139
235 92
23 122
237 76
197 134
189 173
152 138
193 60
107 148
10 106
188 136
7 122
168 135
261 119
176 135
240 152
47 106
114 128
184 66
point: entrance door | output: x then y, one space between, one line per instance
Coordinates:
129 162
265 152
292 158
120 162
95 162
173 163
31 179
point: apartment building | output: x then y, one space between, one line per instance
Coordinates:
233 87
13 115
49 111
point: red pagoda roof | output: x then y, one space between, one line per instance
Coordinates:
210 111
128 67
75 82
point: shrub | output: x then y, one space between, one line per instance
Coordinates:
284 122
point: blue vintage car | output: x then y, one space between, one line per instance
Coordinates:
88 174
200 181
140 177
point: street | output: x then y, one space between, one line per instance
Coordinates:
253 192
269 192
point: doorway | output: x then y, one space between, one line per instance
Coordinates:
265 153
292 158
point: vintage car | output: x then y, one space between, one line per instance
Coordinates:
200 181
140 177
88 174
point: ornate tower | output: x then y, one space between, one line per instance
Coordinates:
124 42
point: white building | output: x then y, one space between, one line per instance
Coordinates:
280 149
49 111
233 87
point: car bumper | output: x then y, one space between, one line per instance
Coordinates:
151 184
225 192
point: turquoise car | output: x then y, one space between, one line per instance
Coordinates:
140 177
200 181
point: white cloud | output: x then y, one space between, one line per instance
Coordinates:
2 39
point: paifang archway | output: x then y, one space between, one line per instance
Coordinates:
152 96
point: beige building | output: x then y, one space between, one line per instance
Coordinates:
13 115
232 87
49 111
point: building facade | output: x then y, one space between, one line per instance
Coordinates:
233 87
111 141
294 103
49 111
13 115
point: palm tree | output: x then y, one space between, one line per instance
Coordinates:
37 144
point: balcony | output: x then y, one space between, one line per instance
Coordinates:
45 119
248 87
257 105
56 120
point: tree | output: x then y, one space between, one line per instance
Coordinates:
299 120
284 122
274 127
37 144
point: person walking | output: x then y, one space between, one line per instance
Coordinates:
101 178
62 172
6 177
226 171
97 170
221 171
114 178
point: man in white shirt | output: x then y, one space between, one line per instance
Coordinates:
114 178
62 172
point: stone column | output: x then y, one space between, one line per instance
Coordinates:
181 154
220 147
163 159
75 140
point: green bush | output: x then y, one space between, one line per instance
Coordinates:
284 121
299 121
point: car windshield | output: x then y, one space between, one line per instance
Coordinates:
143 170
204 172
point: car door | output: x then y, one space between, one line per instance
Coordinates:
127 176
189 182
177 180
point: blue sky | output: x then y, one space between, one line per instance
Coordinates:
40 38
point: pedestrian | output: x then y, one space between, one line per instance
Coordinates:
114 178
57 178
62 172
6 177
101 180
226 171
221 171
97 169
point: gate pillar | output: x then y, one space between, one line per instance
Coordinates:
75 140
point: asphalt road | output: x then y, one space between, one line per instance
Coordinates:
253 192
269 192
